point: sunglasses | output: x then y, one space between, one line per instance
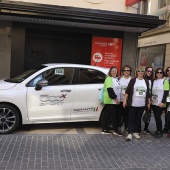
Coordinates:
140 71
126 70
149 71
159 72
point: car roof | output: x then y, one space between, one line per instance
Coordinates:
74 65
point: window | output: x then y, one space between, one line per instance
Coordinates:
55 76
152 56
91 76
20 78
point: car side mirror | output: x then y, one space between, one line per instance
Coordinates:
41 83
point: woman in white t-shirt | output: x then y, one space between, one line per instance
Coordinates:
149 75
111 99
160 90
137 97
124 81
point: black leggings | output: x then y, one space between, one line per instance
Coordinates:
124 113
110 112
157 114
135 115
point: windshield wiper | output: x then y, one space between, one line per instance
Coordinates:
7 80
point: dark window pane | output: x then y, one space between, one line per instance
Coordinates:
91 76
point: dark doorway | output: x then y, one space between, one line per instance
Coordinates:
56 47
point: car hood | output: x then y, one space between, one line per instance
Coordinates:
6 85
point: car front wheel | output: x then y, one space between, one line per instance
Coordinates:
9 118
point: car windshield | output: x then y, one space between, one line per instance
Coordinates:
20 78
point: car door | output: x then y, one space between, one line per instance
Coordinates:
86 105
54 101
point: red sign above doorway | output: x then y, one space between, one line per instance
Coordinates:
132 2
106 52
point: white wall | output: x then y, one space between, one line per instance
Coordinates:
110 5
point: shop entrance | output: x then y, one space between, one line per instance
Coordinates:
56 47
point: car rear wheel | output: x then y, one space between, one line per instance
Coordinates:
9 118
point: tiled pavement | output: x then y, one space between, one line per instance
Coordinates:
83 151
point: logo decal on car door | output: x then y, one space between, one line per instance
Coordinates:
52 100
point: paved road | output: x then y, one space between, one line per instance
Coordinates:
34 149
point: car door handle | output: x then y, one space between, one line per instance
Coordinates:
65 90
99 89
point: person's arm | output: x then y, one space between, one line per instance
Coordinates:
111 93
126 93
166 92
125 100
148 94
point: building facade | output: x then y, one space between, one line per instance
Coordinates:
154 45
33 32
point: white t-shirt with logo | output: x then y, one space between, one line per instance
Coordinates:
123 83
116 88
157 91
139 93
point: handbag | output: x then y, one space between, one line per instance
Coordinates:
147 116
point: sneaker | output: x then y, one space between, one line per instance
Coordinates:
165 130
129 137
158 135
117 133
146 131
106 132
136 135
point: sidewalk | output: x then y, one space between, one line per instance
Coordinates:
83 152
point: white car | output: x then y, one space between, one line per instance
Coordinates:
51 93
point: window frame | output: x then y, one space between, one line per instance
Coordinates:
73 80
78 76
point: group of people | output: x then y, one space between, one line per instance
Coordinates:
126 98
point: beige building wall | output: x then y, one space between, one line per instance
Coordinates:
153 6
109 5
5 52
167 56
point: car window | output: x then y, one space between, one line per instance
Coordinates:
55 76
91 76
20 78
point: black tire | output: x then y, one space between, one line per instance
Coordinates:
9 118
